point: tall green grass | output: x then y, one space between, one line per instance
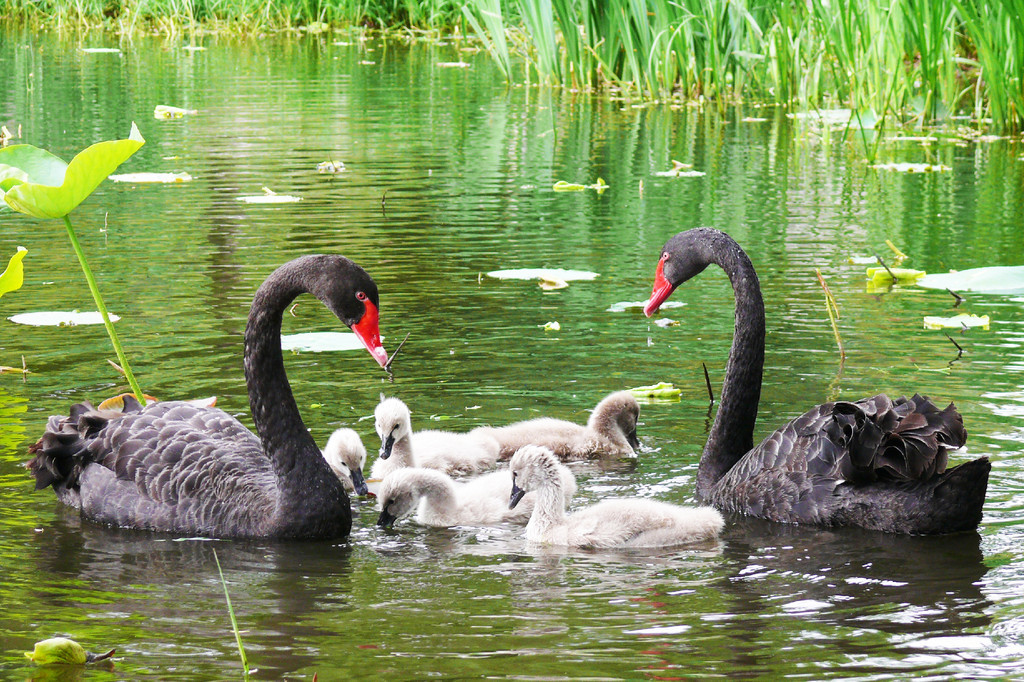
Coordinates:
912 61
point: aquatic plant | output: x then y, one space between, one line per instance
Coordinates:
39 184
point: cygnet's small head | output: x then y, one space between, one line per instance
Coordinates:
532 467
397 497
347 456
618 413
393 423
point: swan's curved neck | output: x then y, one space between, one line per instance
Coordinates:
732 434
549 507
286 441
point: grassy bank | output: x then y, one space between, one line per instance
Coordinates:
909 60
899 62
247 16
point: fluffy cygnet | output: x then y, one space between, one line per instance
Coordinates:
437 500
610 431
347 456
622 523
452 453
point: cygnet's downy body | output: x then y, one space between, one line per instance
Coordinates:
610 432
609 524
347 456
448 452
437 500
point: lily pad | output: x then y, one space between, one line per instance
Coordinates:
552 284
320 342
551 326
956 322
662 389
562 186
101 50
332 167
881 275
165 178
626 305
912 167
165 112
550 274
988 280
680 170
269 196
14 276
60 318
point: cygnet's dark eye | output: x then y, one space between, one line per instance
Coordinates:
361 296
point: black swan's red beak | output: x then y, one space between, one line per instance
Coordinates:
367 330
662 289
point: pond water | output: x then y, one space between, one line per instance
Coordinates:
448 175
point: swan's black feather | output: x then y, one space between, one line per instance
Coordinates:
877 462
183 468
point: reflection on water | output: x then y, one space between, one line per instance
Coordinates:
464 166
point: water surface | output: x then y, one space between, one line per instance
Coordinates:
448 176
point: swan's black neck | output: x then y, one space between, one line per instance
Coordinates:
732 434
301 470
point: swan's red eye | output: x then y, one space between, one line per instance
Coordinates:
664 257
361 296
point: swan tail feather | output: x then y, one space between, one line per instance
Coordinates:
948 502
63 451
907 439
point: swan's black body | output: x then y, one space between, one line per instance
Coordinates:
184 469
876 463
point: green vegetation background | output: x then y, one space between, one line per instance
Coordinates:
898 62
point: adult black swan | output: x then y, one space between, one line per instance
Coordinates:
877 463
179 468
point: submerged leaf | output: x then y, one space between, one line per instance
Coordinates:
956 322
14 276
552 284
59 319
998 279
42 185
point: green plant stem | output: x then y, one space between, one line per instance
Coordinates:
121 357
231 612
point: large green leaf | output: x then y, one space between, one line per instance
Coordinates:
14 276
40 184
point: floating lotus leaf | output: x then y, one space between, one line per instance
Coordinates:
880 276
626 305
60 318
662 389
269 196
166 178
912 167
320 342
550 274
562 186
164 112
989 280
36 182
956 322
14 276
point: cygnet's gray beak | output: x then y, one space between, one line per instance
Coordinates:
633 441
358 482
517 494
385 447
385 520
